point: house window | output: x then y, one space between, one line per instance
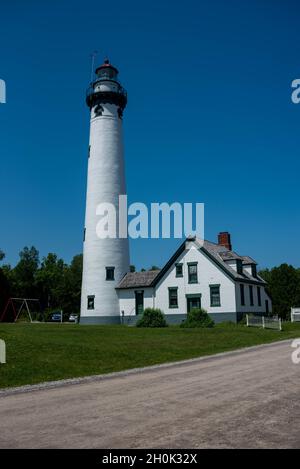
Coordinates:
179 270
110 273
84 231
173 297
89 152
215 299
91 302
242 291
239 266
251 295
258 296
267 306
192 270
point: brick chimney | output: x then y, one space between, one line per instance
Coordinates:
224 240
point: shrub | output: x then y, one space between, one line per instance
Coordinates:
198 318
152 318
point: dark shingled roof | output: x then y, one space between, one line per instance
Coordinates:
138 279
248 260
218 253
230 256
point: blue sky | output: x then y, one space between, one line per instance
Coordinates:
209 119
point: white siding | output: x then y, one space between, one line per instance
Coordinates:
247 269
208 274
232 263
127 300
106 181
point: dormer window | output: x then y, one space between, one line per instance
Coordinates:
250 269
239 266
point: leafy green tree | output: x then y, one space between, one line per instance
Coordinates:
23 275
70 289
283 287
154 267
4 286
48 280
132 268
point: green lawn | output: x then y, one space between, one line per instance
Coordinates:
43 352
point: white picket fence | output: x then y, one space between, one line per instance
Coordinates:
295 314
265 322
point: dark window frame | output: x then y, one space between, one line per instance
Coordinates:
259 296
91 298
239 266
242 294
251 295
192 264
170 298
218 294
108 269
179 264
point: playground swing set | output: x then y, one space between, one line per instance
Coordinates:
16 306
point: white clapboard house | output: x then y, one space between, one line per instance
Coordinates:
199 274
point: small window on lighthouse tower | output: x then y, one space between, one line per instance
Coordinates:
98 110
110 273
91 302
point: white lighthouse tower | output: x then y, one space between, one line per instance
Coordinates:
105 261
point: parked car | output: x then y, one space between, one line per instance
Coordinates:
56 317
73 318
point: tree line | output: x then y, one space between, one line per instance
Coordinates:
283 288
54 283
57 285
